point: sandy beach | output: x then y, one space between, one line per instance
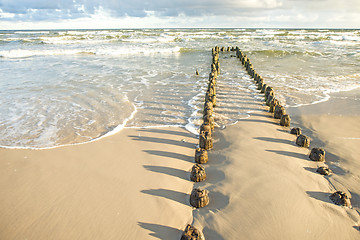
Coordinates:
334 125
135 184
271 187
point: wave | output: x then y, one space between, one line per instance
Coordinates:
188 50
21 41
20 53
32 32
94 37
316 93
115 130
282 53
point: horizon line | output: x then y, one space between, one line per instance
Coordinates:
154 28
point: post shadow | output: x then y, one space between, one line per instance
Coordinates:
169 171
262 115
321 196
178 156
310 169
168 194
170 132
290 154
221 110
241 101
242 108
258 120
164 123
283 130
275 140
163 141
160 231
355 200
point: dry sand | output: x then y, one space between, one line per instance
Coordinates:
271 189
335 125
135 185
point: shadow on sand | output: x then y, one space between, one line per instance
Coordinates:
160 231
321 196
258 120
169 171
290 154
169 194
275 140
355 201
310 169
170 155
171 132
163 141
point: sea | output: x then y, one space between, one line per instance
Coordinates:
64 87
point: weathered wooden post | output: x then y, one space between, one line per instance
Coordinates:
191 233
269 99
317 154
296 131
264 86
205 141
208 119
279 111
199 198
303 141
198 173
274 102
324 171
285 120
341 198
201 156
205 128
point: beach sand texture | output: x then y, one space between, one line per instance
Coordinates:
135 184
130 186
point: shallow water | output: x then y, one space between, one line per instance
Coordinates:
66 87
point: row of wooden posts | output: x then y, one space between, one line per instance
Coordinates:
200 197
275 107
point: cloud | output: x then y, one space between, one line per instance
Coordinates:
39 9
195 13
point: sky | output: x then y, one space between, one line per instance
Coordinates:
108 14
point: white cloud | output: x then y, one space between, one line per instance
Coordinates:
6 15
177 13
